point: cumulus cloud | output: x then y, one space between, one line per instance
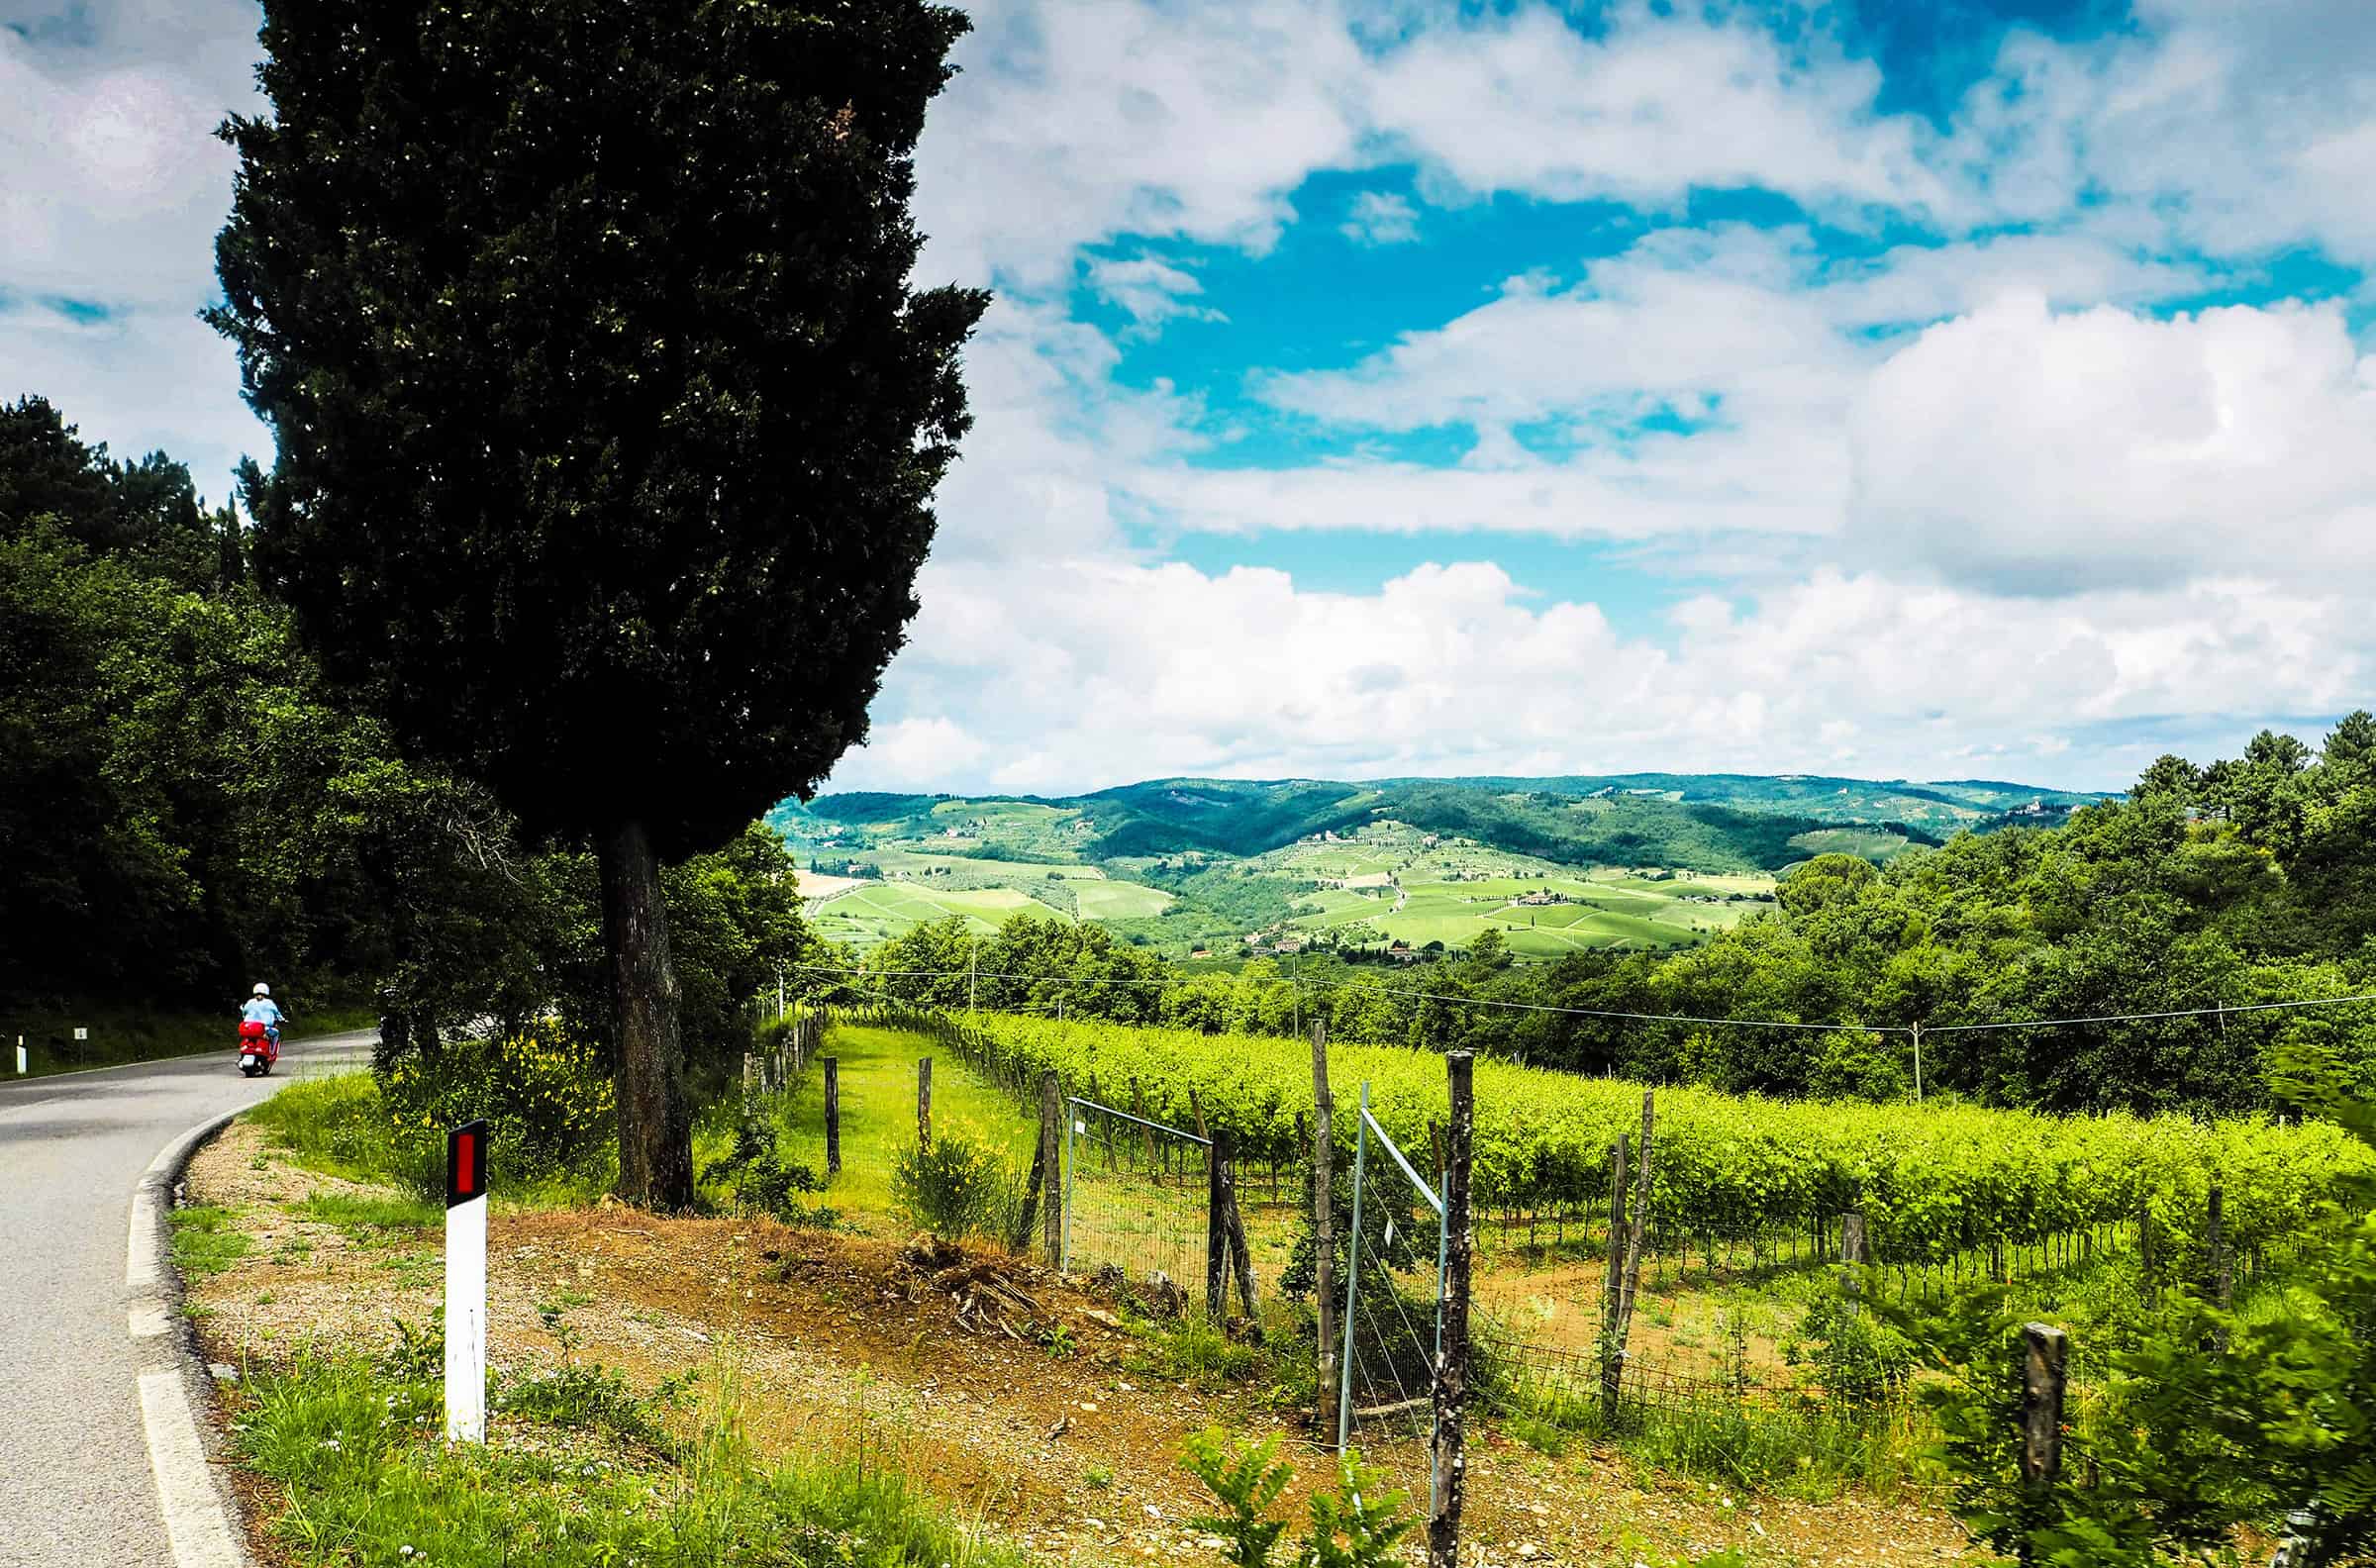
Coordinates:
2034 453
1659 104
1381 218
1456 669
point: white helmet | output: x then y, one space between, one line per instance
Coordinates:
262 989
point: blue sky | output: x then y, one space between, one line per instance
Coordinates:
1376 387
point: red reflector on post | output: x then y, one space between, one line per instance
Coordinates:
465 1163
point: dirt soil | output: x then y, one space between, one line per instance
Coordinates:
840 1342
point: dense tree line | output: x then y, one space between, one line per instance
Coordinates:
2233 885
186 805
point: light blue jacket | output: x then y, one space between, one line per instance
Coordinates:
261 1010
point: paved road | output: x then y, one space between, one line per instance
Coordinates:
75 1485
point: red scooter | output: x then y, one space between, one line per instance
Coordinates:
258 1050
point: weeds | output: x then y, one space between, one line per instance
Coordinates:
371 1221
1356 1525
354 1450
956 1187
205 1243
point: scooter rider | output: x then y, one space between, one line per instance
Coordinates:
261 1009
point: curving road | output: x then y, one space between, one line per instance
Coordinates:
78 1486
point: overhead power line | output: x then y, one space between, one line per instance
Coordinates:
2138 1017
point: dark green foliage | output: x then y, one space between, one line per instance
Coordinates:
2211 1418
608 424
187 808
1853 1355
763 1183
607 421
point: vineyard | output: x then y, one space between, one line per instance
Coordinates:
1935 1184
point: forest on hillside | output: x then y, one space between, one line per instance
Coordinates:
2233 885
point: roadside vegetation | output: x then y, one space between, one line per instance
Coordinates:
578 1473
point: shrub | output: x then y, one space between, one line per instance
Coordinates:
1356 1525
954 1187
1853 1356
763 1182
547 1096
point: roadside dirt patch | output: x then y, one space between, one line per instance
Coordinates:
843 1343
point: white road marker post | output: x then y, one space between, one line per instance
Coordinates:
21 1057
466 1284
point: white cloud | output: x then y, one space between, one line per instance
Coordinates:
1654 107
1073 124
2044 452
2234 129
1684 314
1381 218
1453 669
112 184
920 749
1152 291
141 380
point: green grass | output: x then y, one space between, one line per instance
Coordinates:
1102 900
205 1243
370 1221
339 1125
367 1484
878 1117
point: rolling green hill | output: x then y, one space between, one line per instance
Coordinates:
1208 863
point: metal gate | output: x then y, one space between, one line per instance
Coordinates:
1394 1256
1136 1200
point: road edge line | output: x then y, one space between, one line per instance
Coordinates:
197 1515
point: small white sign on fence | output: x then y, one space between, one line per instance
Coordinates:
82 1033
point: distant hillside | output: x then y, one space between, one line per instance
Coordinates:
1241 867
1719 821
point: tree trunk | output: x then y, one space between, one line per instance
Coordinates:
655 1136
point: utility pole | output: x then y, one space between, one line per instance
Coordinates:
973 953
1917 1061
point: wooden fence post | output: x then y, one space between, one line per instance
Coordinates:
1051 1160
2215 1238
1323 1226
1612 1290
1447 1449
2045 1351
2148 1253
1639 1223
1242 1259
1853 1254
833 1116
1217 1233
923 1102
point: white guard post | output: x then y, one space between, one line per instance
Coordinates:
466 1284
20 1055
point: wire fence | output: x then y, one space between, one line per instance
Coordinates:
1687 1389
1394 1292
1137 1203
